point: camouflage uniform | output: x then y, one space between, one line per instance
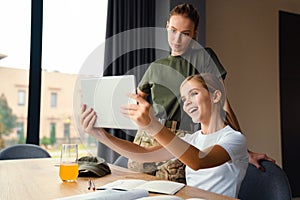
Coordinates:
173 170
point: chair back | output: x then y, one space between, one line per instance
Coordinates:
272 184
121 161
23 151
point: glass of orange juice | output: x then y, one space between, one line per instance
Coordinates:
68 169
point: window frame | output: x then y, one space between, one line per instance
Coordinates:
35 73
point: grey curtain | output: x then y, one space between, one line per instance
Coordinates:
127 49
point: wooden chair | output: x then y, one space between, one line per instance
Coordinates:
121 161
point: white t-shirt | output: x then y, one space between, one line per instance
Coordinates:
225 179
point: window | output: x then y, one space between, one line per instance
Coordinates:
72 30
21 97
53 99
14 70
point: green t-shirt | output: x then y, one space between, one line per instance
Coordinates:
164 77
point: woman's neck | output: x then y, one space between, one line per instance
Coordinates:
213 125
176 54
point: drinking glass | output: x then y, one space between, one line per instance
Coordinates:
68 170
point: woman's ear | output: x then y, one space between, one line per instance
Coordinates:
167 25
217 95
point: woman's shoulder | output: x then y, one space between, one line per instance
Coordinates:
196 51
228 131
198 56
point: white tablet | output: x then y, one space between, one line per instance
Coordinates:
106 95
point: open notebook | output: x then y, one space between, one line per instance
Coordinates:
106 95
156 186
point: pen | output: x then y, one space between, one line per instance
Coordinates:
89 182
119 189
93 185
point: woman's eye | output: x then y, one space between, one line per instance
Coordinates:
173 31
186 34
194 94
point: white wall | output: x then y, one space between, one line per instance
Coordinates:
244 34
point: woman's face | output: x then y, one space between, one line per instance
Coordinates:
181 30
196 101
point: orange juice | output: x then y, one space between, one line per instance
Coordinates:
68 171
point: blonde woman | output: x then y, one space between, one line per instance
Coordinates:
216 156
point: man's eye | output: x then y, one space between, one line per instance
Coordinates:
183 100
173 31
186 34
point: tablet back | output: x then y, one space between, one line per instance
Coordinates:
106 95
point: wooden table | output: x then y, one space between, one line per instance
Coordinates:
39 179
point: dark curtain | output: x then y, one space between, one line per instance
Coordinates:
128 49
